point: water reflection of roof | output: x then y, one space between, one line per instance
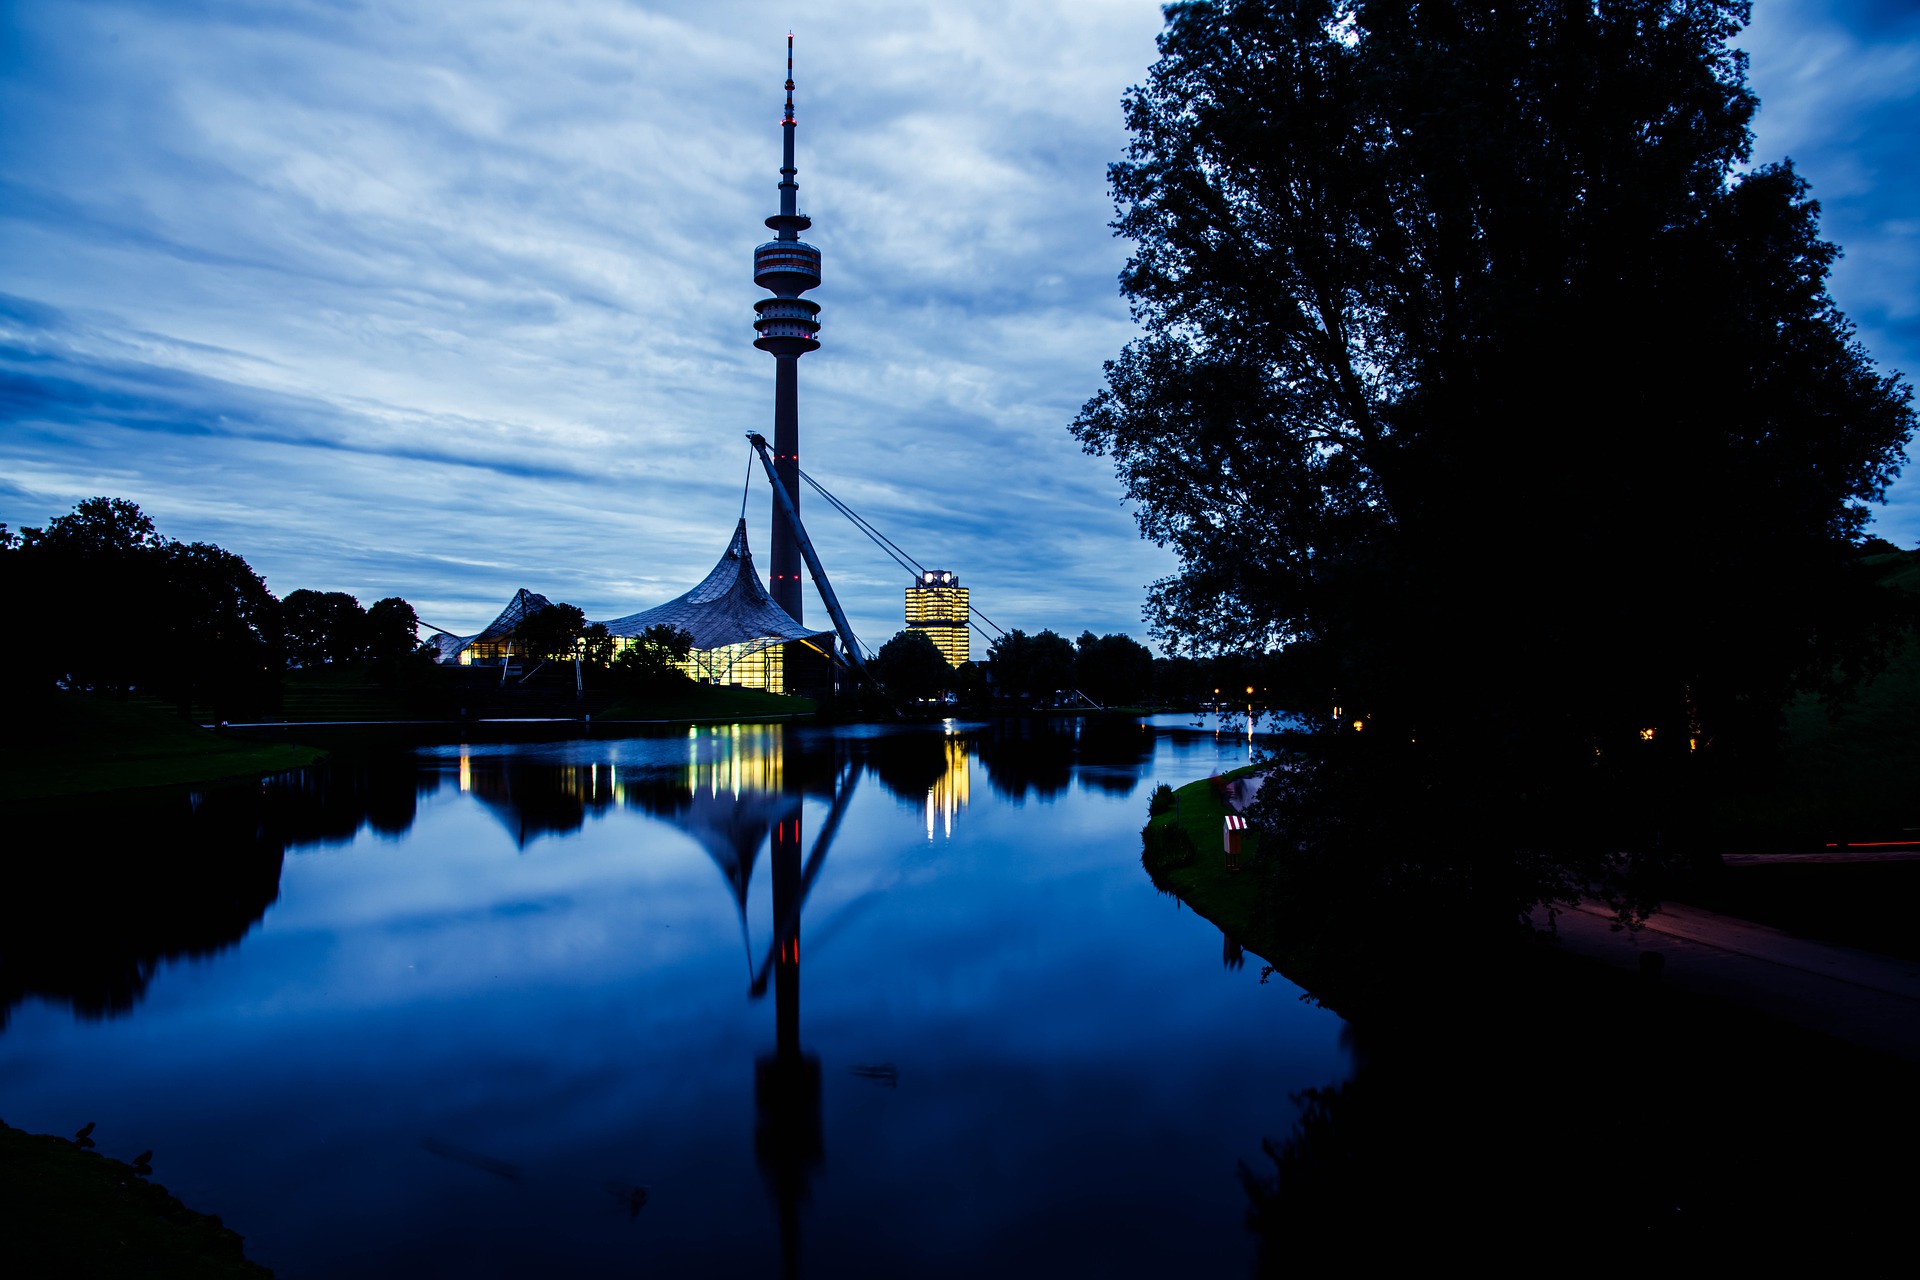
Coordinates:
732 828
529 800
730 606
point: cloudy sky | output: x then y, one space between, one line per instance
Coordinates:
397 297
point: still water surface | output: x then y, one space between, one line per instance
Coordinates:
745 1000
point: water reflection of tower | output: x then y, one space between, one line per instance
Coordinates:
787 1136
742 791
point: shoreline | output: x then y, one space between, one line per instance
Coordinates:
1865 999
69 1211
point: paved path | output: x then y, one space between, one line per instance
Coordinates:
1857 996
1243 791
1905 853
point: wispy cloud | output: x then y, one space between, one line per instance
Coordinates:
1839 83
444 301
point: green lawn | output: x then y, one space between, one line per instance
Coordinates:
77 744
345 691
1851 774
706 702
1228 898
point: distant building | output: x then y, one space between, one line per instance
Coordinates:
937 605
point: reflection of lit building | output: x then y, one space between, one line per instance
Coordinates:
735 758
949 792
937 605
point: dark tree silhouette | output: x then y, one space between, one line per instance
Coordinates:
222 626
1474 372
184 620
649 662
1035 666
911 666
554 632
323 627
393 629
1113 670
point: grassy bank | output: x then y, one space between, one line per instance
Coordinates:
71 1213
1507 1095
75 744
1197 873
1846 772
705 702
354 691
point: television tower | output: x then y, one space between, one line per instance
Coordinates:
787 266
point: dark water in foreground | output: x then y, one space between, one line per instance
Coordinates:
505 1010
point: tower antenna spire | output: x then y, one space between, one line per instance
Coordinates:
787 327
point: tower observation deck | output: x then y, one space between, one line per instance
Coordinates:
788 328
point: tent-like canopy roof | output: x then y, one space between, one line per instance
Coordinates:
524 605
730 606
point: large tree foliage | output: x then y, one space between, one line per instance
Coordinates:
651 661
553 633
393 629
1037 666
322 627
1113 670
911 666
188 621
1473 369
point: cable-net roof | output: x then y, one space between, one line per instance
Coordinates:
524 605
730 606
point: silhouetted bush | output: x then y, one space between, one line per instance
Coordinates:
1166 846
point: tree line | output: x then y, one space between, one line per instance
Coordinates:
1044 668
189 622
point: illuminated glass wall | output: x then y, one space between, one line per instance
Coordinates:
937 605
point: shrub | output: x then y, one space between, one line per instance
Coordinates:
1162 801
1165 846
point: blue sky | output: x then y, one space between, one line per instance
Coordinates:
445 300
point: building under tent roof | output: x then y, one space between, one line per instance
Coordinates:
492 642
739 633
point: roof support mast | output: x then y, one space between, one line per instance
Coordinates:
784 502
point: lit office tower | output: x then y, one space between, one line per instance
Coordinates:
788 327
937 605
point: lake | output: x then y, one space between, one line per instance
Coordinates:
734 1000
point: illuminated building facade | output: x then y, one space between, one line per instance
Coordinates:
740 635
937 605
495 643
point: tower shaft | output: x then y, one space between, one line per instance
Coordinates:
785 586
